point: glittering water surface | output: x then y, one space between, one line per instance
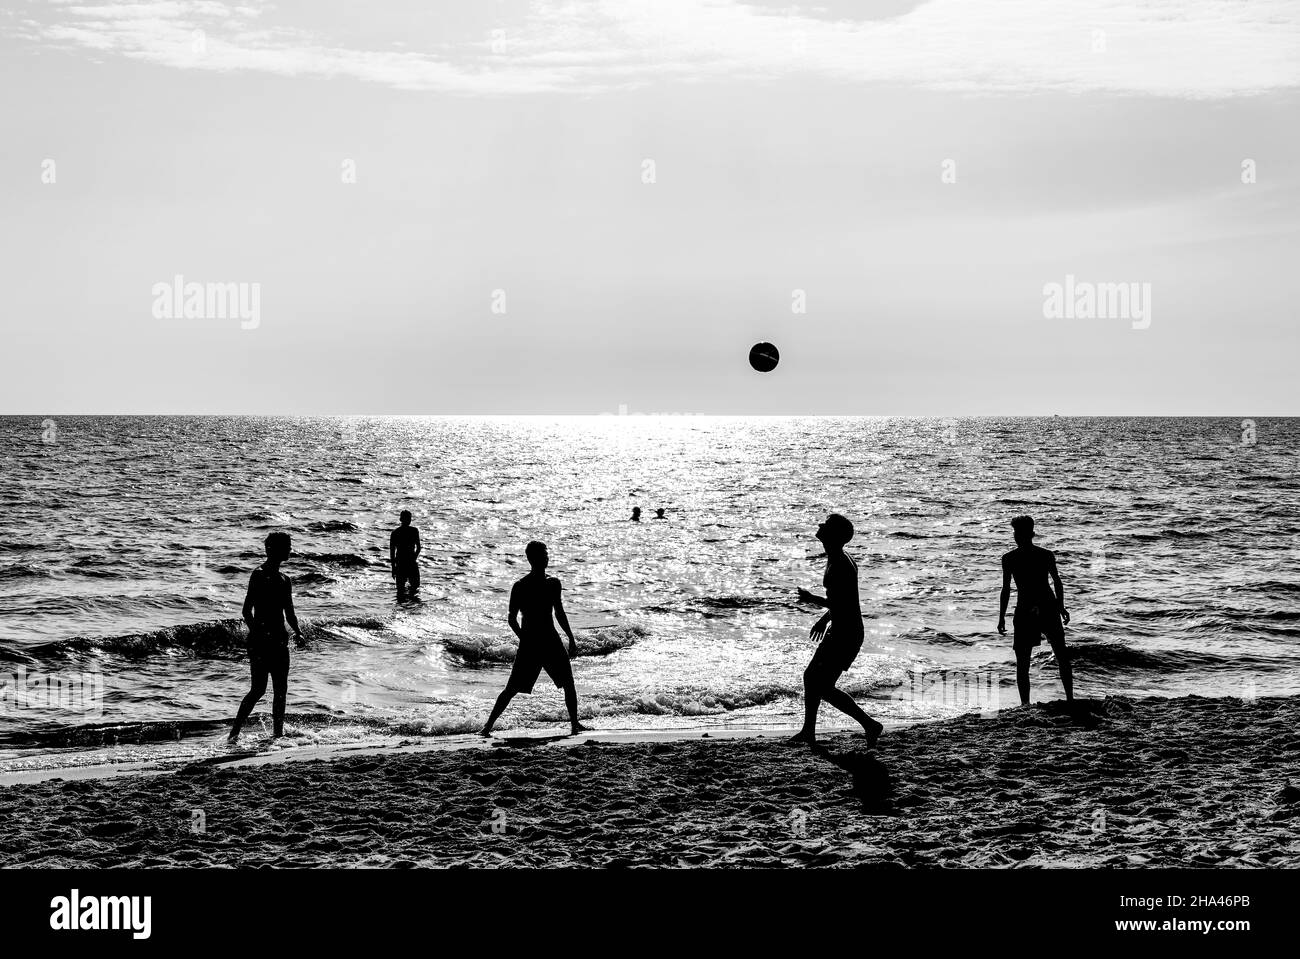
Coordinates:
126 544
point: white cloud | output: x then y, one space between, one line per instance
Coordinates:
1194 49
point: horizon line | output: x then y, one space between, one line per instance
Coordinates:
663 415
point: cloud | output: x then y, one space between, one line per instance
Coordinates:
1198 49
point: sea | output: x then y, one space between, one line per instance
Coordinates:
126 544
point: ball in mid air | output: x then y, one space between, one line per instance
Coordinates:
764 357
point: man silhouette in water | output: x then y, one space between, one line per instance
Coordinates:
266 607
537 596
636 514
839 633
1038 611
403 554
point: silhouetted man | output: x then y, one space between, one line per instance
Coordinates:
839 633
404 553
267 605
537 596
636 514
659 513
1038 611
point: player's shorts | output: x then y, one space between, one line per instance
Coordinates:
834 656
408 571
269 659
534 656
1030 624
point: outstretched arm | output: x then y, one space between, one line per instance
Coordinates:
1005 597
1060 590
563 620
808 597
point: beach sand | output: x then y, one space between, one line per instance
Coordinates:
1149 782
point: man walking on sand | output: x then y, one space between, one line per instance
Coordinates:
1038 611
537 597
266 607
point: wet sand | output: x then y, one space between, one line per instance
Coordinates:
1151 782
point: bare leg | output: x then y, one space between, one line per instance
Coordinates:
845 704
256 691
1022 675
812 700
280 687
246 707
571 704
502 702
1067 674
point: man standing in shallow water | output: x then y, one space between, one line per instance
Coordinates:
404 555
1038 610
537 596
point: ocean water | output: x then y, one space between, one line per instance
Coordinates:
126 544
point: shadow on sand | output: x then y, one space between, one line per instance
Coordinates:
870 780
1084 713
516 742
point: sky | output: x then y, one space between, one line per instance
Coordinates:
582 208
